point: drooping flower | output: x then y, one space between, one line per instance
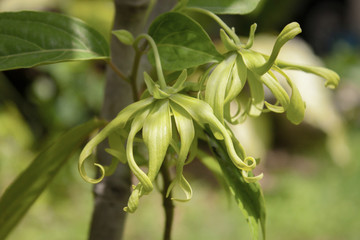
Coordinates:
154 116
243 65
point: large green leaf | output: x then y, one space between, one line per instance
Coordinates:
182 42
29 38
23 192
248 196
225 6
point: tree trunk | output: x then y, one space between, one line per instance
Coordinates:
111 195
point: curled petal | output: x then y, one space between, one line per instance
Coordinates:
277 90
185 128
288 33
136 126
274 108
184 185
251 179
202 113
134 198
296 109
117 123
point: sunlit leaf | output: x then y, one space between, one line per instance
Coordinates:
226 6
29 38
22 193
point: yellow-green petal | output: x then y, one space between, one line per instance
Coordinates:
288 33
257 94
277 90
216 86
157 134
136 126
185 128
117 123
331 77
202 113
296 109
153 88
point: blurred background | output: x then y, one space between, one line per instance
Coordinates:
312 171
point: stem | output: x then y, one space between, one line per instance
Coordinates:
222 24
167 203
117 71
159 71
134 73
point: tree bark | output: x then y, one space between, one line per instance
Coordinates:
111 195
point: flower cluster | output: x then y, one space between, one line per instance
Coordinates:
154 116
169 120
243 65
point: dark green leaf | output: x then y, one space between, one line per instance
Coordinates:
225 6
28 39
182 42
23 192
248 196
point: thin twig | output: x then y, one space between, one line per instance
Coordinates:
167 203
117 71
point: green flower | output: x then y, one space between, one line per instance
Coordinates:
241 65
155 116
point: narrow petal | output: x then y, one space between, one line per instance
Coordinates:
251 36
288 33
157 134
153 88
185 128
277 90
257 94
331 77
136 126
296 109
216 85
116 142
229 44
202 113
117 123
238 80
179 84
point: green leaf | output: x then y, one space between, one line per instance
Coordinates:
23 192
29 38
182 42
225 6
248 196
124 36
